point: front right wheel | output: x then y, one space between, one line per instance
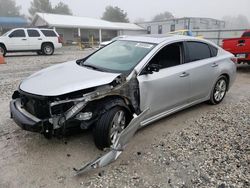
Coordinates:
219 90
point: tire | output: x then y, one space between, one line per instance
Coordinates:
103 134
219 90
2 50
39 53
47 49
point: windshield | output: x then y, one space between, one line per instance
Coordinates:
5 34
120 56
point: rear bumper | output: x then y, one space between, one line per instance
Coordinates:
57 45
24 119
242 59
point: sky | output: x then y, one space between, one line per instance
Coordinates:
146 9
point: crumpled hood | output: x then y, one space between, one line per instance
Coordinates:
65 78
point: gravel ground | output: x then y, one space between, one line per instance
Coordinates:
203 146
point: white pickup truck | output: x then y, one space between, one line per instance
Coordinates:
42 41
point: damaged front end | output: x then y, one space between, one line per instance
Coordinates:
53 115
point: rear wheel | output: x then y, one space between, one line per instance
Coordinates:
2 49
219 90
47 49
109 126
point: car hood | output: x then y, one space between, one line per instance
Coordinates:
65 78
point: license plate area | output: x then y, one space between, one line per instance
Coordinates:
241 55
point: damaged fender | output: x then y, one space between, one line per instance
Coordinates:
116 149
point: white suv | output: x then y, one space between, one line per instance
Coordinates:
42 41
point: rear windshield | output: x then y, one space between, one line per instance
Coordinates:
49 33
246 34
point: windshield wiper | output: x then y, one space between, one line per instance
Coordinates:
92 67
83 63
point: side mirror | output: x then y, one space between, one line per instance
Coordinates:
11 35
151 68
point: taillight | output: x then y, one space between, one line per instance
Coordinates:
234 59
60 40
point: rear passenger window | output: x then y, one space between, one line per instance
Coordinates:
17 33
49 33
198 51
33 33
246 34
214 51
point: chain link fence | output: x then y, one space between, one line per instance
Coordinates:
217 35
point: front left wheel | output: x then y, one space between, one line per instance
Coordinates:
2 50
109 126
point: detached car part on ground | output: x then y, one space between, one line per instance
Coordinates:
156 75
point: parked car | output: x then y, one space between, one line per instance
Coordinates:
105 89
105 43
185 32
240 47
42 41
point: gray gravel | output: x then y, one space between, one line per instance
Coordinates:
204 146
213 151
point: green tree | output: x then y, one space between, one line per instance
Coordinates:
46 7
62 8
163 16
115 14
9 8
40 6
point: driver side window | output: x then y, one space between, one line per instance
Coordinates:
17 33
169 56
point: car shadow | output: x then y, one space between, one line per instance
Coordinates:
243 68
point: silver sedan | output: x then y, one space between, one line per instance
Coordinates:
157 75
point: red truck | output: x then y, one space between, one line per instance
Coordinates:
240 47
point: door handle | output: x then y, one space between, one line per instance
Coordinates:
24 39
214 65
39 39
184 74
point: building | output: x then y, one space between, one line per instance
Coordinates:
191 23
71 28
7 23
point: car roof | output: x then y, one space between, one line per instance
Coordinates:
157 38
33 28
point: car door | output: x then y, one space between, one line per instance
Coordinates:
34 40
17 40
169 88
203 69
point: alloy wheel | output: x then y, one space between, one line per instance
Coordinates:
220 90
48 49
118 124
